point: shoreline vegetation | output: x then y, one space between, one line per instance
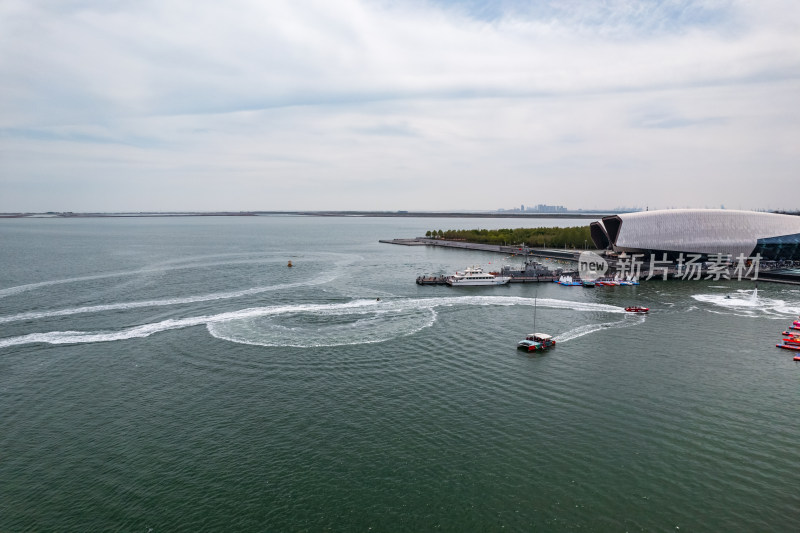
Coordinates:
575 237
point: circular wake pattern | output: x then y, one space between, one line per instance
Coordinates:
316 325
334 326
749 303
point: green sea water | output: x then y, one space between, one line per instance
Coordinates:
174 375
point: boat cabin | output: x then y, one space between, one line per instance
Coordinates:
529 345
536 341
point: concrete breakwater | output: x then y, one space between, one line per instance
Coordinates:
569 255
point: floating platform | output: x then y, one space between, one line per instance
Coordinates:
432 280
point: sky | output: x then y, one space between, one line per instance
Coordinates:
174 105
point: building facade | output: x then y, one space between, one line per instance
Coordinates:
700 231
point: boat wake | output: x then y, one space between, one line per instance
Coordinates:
316 325
31 315
629 320
748 303
188 264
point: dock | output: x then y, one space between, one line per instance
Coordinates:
770 271
442 280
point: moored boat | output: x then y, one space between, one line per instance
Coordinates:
475 276
795 347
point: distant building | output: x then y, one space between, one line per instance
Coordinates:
543 208
700 231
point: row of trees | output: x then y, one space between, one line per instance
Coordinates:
577 237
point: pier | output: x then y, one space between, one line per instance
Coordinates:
525 251
770 271
442 280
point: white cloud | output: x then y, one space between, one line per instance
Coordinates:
355 104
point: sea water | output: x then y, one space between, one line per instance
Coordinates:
176 375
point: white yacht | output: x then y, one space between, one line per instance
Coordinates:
475 275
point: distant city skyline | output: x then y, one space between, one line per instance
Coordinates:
420 105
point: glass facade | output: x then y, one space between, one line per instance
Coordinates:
776 248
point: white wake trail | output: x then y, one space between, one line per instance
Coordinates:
749 303
628 321
30 315
76 337
10 291
238 324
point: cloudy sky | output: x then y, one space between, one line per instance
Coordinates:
131 105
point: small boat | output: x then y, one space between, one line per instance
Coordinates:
795 347
637 309
587 283
568 281
289 265
536 342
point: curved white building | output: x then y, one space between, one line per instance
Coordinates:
701 231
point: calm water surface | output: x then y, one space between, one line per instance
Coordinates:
175 375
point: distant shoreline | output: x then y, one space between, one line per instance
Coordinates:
381 214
